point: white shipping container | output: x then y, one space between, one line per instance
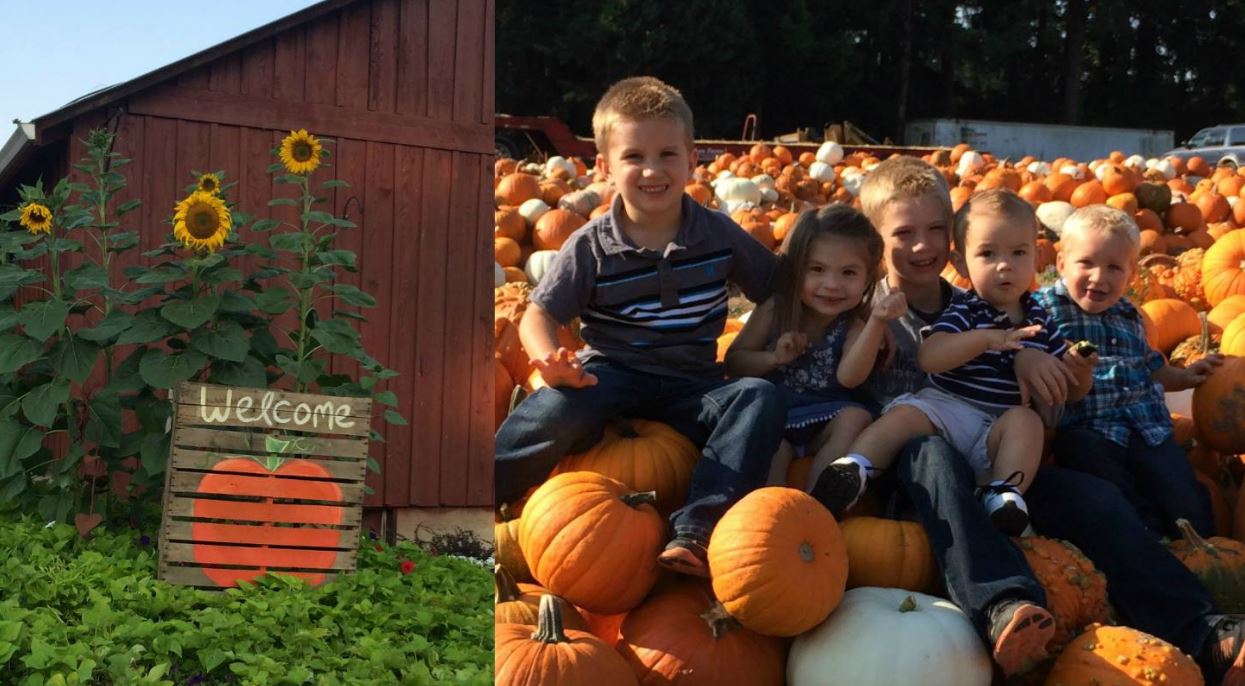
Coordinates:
1011 140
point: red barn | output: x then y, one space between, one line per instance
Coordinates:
405 88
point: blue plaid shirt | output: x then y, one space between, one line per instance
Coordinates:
1125 397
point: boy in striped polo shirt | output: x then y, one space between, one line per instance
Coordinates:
973 399
1122 430
648 282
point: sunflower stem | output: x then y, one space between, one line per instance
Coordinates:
304 294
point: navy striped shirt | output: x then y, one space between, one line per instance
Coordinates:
659 311
988 381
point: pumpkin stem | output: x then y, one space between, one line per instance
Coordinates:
549 626
1203 343
1193 537
719 620
624 427
908 604
638 499
504 585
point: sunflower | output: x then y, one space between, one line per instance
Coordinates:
209 183
300 152
202 221
37 218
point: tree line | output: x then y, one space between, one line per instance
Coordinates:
879 64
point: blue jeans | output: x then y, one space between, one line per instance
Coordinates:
738 425
1157 481
1149 587
979 564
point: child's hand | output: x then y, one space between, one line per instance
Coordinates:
1041 373
1197 372
1009 339
1079 364
562 368
790 345
891 306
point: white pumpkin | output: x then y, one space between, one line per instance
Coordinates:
769 195
1053 214
970 162
532 210
1073 171
821 171
499 275
1099 172
888 636
763 181
852 179
537 264
580 202
559 162
1168 169
1039 168
830 153
736 190
1135 161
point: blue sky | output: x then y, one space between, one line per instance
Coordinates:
53 51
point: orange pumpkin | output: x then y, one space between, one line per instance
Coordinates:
1124 202
244 476
1119 655
516 188
507 551
683 636
1173 321
1061 186
509 224
1221 315
1218 562
555 654
593 541
1118 179
891 554
771 542
1184 216
643 455
518 603
1088 193
1223 267
1076 592
552 190
510 301
1213 206
506 252
1233 341
554 227
1036 192
1219 407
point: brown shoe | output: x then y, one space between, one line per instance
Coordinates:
685 556
1223 658
1019 631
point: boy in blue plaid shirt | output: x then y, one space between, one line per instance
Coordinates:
1121 431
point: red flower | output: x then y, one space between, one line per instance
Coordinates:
379 548
407 566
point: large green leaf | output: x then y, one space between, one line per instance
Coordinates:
12 275
43 318
304 372
249 373
42 403
74 357
17 351
336 336
289 242
112 325
127 377
162 274
155 452
8 317
148 327
344 258
275 300
351 295
222 275
233 301
103 420
162 370
17 442
86 277
191 314
227 341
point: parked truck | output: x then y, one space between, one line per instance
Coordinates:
1014 140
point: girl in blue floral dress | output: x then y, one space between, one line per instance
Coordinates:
820 334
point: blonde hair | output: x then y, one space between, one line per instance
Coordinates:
1103 219
902 178
996 201
636 99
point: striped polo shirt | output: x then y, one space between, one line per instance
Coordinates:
988 381
658 311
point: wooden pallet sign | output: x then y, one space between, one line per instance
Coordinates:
262 481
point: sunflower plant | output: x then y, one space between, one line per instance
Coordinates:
306 264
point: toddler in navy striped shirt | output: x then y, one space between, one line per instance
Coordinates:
973 399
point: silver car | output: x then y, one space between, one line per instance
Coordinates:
1219 144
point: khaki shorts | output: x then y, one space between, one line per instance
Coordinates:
964 426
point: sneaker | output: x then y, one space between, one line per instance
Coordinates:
1223 658
685 555
839 486
1005 506
1019 632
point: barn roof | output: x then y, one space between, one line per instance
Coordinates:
50 127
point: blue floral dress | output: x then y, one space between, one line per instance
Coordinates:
811 386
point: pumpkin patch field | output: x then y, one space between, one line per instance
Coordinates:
797 597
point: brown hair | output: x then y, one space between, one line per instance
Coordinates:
902 178
998 201
836 220
636 99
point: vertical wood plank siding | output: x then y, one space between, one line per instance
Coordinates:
423 222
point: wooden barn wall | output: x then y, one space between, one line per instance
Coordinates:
405 89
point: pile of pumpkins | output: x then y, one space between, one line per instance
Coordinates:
579 595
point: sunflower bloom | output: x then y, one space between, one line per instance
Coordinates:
202 221
37 218
209 183
300 152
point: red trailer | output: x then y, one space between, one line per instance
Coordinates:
542 137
